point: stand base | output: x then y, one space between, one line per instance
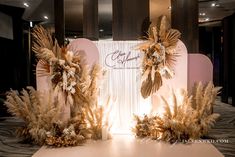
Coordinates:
129 146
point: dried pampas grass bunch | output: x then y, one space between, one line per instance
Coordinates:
38 110
159 56
189 119
98 118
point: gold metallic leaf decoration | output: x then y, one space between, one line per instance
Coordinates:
159 56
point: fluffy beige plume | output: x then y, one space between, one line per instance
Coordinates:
42 38
38 110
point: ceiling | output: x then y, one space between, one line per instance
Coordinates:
38 9
215 10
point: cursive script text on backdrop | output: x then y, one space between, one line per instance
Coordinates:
121 60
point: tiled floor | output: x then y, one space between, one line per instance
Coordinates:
10 145
224 131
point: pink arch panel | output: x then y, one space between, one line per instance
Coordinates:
200 68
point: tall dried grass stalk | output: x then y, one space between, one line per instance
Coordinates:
98 117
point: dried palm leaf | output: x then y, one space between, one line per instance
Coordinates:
171 38
47 55
157 83
171 60
146 87
43 68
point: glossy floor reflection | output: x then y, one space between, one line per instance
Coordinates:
10 145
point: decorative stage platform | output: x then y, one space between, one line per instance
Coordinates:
129 146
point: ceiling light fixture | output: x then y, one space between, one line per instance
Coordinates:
101 30
213 4
46 17
31 24
26 4
207 19
202 14
169 8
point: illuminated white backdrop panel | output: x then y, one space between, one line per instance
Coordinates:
122 82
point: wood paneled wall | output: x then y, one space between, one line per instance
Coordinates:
90 19
233 60
130 19
59 21
225 61
228 58
184 16
13 59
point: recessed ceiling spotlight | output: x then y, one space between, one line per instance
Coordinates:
26 4
31 24
169 8
202 14
101 30
207 19
45 17
213 4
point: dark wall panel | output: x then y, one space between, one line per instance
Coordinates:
90 19
59 21
12 57
184 17
228 58
130 19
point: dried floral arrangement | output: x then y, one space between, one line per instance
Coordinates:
159 56
72 80
189 119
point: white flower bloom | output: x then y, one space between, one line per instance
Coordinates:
69 55
61 62
48 133
69 88
155 54
73 83
66 131
73 134
72 91
65 83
